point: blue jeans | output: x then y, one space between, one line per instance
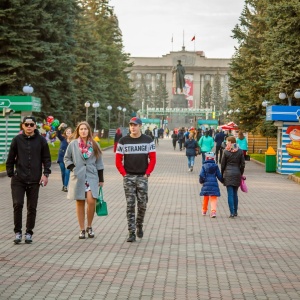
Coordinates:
203 157
65 174
191 161
233 200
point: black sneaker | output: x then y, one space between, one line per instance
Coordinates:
28 238
139 231
82 234
18 238
191 168
90 232
65 189
231 216
132 237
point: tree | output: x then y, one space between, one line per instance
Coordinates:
207 96
248 67
217 99
161 94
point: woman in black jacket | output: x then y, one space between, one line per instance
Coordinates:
232 168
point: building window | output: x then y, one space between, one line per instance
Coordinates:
207 77
148 76
158 76
148 86
138 76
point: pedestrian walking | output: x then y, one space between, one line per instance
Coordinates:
135 160
180 138
65 139
206 144
84 159
190 151
219 139
117 137
210 190
232 168
155 134
242 142
29 166
174 137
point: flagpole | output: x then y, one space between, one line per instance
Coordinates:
195 43
172 42
183 41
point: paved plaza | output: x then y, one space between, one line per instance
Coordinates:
183 255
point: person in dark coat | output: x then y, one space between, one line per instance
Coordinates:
65 139
232 169
190 151
180 137
219 139
28 165
174 137
209 174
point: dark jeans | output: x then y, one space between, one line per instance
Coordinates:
219 149
18 191
233 200
180 142
174 143
65 174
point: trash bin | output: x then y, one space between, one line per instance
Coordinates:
270 160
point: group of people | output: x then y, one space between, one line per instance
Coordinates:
230 154
82 172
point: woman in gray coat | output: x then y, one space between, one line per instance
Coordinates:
232 168
84 158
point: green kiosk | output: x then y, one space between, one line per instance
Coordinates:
13 109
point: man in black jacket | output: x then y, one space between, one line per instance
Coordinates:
28 154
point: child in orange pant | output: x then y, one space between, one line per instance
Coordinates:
208 176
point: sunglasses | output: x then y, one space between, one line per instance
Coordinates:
29 124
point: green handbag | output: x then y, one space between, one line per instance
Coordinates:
101 206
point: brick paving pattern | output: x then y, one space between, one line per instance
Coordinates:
183 255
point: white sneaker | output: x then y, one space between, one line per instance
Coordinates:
18 238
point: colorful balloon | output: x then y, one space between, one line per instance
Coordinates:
50 119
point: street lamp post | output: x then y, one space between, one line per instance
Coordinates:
283 96
109 108
87 104
95 105
124 110
119 108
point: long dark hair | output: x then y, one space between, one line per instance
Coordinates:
76 135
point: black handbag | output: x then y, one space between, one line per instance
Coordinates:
247 157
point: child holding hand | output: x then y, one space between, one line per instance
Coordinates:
208 176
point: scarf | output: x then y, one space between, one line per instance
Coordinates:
86 149
232 147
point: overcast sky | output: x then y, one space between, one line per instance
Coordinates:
148 26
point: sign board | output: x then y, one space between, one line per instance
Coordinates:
283 113
21 103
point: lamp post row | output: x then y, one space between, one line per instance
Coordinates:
95 105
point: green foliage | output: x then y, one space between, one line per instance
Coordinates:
161 94
266 62
70 51
259 157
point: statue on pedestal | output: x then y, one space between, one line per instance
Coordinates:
178 78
